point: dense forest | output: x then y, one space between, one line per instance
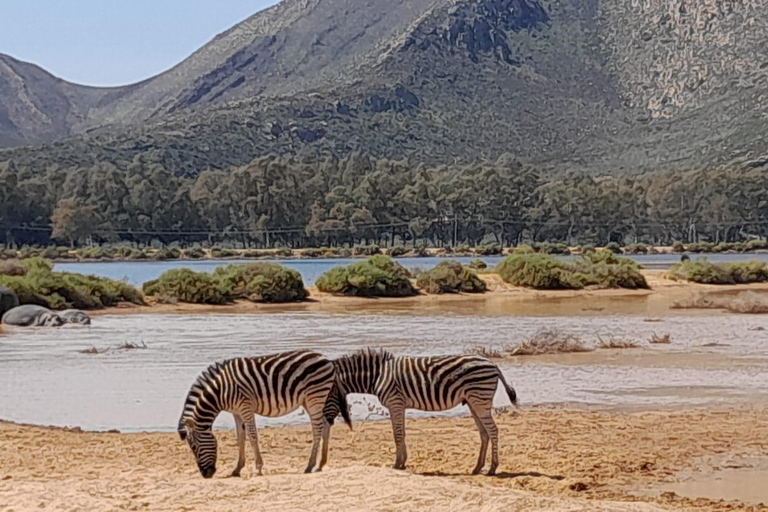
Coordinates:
276 202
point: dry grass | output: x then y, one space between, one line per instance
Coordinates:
132 346
665 339
743 302
616 343
542 343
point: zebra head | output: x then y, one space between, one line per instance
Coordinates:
203 445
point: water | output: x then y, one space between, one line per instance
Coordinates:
45 379
139 272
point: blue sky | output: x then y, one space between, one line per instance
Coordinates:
114 42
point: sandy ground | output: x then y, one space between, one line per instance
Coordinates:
551 459
501 299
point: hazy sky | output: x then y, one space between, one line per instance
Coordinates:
114 42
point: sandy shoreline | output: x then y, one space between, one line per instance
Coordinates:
501 299
551 459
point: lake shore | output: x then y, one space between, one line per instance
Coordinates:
551 459
501 299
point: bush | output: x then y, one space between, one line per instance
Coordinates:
478 265
8 254
312 253
678 247
62 290
397 252
489 250
542 271
168 253
195 253
700 247
186 285
523 249
366 250
12 268
704 272
614 248
637 249
450 277
547 248
283 253
220 253
756 245
376 277
261 282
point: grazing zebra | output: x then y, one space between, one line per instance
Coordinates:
428 384
273 385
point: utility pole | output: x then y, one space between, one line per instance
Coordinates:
455 228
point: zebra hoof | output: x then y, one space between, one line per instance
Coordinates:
235 474
307 471
491 472
477 471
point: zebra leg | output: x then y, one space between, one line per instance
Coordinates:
253 436
240 428
397 415
483 442
318 425
485 416
326 438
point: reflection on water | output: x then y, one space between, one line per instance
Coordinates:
139 272
45 379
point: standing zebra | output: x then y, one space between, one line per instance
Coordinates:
272 386
428 384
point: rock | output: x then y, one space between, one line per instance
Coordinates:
8 300
32 316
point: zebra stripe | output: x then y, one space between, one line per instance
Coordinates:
272 386
427 384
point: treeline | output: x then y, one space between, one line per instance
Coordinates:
276 202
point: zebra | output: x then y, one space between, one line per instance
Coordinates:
272 385
427 384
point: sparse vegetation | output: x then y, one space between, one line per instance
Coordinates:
655 339
542 343
478 264
704 272
612 342
12 268
261 282
450 277
62 290
743 302
378 276
540 271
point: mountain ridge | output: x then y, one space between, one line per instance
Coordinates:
574 84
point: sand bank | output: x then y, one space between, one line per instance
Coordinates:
501 299
551 459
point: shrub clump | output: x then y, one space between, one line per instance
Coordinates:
187 285
704 272
195 253
261 282
478 264
379 276
63 290
450 277
12 268
544 272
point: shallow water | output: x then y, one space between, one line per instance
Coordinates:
45 379
139 272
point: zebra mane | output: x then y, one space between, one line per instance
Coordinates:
190 406
370 354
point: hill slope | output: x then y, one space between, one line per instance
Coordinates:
587 84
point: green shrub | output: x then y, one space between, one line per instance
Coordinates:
587 249
186 285
167 253
478 265
548 248
614 248
756 245
678 247
283 253
53 253
8 254
28 252
221 253
61 290
377 277
462 249
366 250
261 282
489 250
637 249
542 271
523 249
397 252
312 253
704 272
700 247
195 253
450 277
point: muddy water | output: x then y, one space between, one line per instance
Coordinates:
45 379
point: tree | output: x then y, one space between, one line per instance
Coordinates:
73 223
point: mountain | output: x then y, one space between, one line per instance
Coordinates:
597 85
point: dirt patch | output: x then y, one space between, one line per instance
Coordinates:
551 459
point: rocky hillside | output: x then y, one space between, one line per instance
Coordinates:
605 86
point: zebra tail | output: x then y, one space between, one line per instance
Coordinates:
344 408
510 390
